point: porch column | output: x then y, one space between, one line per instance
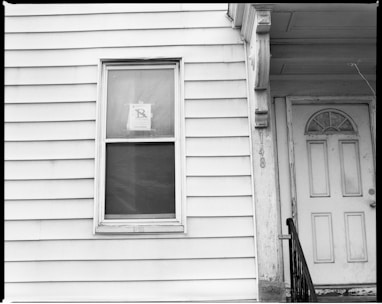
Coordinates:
255 29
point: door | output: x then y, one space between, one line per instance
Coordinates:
335 191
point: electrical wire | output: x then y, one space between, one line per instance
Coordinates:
363 77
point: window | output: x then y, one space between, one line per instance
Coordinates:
329 121
138 180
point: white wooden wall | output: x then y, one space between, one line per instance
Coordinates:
51 56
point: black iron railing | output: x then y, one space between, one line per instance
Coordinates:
302 289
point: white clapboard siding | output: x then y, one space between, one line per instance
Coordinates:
49 112
89 74
224 146
51 72
215 71
119 21
81 57
208 127
122 38
219 206
215 166
49 130
88 92
130 270
48 209
215 89
48 169
138 249
200 108
51 75
84 208
217 146
96 8
50 93
219 186
49 189
76 149
78 229
187 290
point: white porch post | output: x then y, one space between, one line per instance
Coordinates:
255 27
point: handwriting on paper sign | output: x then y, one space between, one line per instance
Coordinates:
139 117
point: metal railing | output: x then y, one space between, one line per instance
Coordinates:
302 289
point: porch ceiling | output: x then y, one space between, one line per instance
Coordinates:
323 38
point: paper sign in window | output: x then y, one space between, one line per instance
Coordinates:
139 117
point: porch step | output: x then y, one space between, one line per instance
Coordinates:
346 299
346 293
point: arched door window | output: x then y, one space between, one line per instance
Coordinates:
330 121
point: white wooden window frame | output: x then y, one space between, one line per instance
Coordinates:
139 225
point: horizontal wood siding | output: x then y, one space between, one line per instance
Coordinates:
52 53
119 291
131 270
121 38
82 228
131 249
83 208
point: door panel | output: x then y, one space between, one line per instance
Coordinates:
334 189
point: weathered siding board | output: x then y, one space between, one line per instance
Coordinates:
122 38
220 206
208 127
188 290
86 129
215 166
223 146
84 208
50 93
70 9
117 21
50 112
48 209
77 229
85 57
132 249
49 130
47 150
215 89
49 189
219 186
51 74
199 108
88 74
88 92
84 168
215 71
82 149
48 169
130 270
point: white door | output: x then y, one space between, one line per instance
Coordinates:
335 192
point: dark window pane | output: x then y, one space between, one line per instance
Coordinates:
140 103
314 127
140 180
347 126
336 118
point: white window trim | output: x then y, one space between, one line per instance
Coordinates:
139 226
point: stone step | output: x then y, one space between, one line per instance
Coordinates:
346 299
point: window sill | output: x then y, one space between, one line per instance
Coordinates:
139 229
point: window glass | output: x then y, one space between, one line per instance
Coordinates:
140 180
140 103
